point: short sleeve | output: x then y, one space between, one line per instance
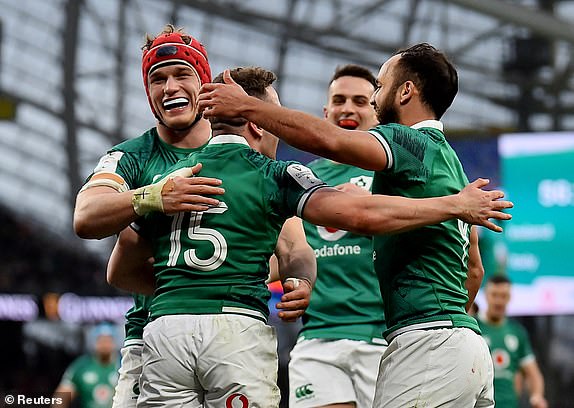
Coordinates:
295 183
119 163
408 150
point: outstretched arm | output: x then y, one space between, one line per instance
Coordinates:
130 266
297 269
379 214
299 129
104 206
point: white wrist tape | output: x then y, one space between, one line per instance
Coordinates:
148 198
295 282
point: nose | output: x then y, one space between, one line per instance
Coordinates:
170 85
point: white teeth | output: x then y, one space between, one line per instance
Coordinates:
174 103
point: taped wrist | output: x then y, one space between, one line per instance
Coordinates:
148 198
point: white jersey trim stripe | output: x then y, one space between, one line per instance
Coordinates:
378 340
527 359
133 342
305 198
386 146
223 139
419 326
244 311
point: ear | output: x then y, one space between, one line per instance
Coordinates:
324 112
255 130
407 92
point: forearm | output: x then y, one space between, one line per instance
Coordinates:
315 135
130 266
299 129
475 272
535 383
138 279
101 212
403 214
300 264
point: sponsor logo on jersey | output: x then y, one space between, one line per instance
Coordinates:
304 392
303 175
500 358
237 400
337 250
102 393
109 162
330 234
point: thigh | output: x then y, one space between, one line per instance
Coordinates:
364 360
318 375
169 356
486 396
127 388
444 367
237 366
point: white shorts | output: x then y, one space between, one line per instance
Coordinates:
323 372
430 368
216 360
127 388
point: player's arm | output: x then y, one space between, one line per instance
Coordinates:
105 206
297 269
379 214
535 384
299 129
61 393
130 266
475 272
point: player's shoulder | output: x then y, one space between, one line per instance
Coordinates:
145 143
515 325
79 363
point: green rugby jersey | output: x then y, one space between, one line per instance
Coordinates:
422 272
346 301
217 261
510 349
93 381
140 162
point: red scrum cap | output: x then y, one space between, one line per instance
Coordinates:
171 49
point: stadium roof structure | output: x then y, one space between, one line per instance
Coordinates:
71 71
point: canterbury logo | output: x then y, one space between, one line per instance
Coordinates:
304 391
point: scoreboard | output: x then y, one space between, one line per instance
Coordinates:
537 173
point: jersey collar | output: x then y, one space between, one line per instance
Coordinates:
224 139
430 123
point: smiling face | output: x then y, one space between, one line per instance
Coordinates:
348 105
173 92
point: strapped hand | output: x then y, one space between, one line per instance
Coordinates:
149 198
